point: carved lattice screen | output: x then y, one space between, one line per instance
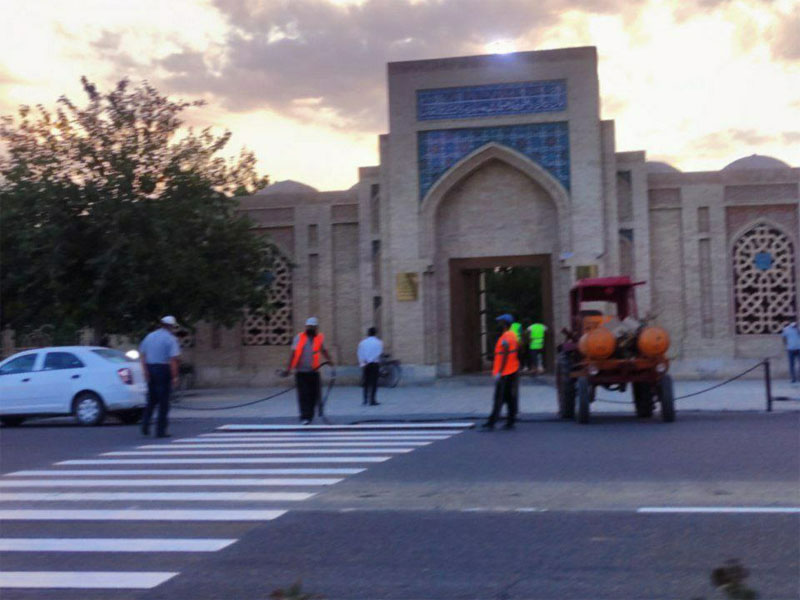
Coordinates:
764 280
275 328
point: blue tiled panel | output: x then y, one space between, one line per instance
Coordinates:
547 144
491 100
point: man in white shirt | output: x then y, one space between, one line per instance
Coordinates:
791 339
159 353
369 358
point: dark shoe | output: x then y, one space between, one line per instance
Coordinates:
163 435
306 422
487 426
374 403
508 426
145 432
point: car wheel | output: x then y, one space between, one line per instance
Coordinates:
12 421
666 397
88 409
130 417
584 399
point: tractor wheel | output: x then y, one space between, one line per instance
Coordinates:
666 397
565 386
584 399
643 399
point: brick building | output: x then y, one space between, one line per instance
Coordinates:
503 161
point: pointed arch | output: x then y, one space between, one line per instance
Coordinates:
474 161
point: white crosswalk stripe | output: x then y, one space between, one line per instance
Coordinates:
177 450
153 496
212 461
271 481
234 445
303 457
129 472
83 579
112 544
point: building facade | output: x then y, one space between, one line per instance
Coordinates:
504 161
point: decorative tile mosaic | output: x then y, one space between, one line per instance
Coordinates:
547 144
492 100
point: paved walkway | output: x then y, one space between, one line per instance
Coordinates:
456 397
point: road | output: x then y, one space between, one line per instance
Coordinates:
549 510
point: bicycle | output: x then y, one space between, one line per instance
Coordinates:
389 372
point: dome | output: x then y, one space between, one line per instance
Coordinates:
287 186
655 166
756 161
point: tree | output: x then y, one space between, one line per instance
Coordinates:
113 215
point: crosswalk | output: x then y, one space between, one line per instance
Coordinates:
164 504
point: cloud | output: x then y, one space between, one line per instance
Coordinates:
787 38
278 52
742 141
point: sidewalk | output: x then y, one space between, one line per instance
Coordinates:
469 398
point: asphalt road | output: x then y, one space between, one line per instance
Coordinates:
550 510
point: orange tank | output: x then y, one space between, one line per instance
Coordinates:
598 343
653 341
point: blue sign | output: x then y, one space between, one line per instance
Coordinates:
763 261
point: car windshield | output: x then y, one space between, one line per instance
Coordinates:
112 355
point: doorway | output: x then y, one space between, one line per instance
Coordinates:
482 289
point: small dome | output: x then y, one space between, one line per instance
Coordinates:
287 186
656 166
756 161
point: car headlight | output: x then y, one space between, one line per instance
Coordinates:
132 354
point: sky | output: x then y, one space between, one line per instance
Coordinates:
302 83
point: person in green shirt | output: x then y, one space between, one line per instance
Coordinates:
536 333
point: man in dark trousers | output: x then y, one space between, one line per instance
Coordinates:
304 360
159 352
506 374
369 358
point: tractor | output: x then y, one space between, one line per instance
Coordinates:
608 345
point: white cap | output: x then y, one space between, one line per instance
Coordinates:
169 320
312 322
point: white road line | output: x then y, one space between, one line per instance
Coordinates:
719 509
176 451
113 544
217 481
84 579
219 461
155 496
129 472
139 515
256 445
359 426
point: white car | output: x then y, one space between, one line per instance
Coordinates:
88 382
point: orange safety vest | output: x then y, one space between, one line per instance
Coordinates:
512 363
315 350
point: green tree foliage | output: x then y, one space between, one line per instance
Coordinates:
113 215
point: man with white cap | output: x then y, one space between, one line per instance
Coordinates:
305 361
159 352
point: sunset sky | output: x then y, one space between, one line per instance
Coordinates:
697 83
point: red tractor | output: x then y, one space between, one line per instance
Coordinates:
608 345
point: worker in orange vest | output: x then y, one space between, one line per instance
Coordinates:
304 360
506 374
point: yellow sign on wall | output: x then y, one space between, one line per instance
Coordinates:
407 287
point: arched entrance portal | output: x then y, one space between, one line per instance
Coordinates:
495 210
